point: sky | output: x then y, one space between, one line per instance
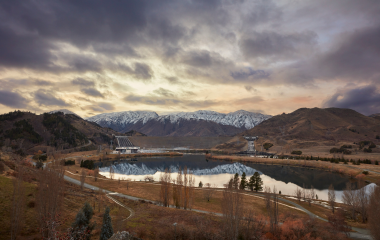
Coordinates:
96 56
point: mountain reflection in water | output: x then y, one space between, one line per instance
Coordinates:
285 178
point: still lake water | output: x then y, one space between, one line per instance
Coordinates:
285 178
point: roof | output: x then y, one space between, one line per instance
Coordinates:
123 141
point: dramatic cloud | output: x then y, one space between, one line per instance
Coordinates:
92 92
365 100
43 97
275 45
184 55
12 99
82 82
164 92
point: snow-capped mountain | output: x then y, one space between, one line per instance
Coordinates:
239 119
133 169
119 121
199 123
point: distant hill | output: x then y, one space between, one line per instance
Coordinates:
26 131
319 124
65 111
376 115
199 123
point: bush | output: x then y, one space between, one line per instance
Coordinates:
267 146
365 172
297 152
89 164
376 162
69 162
2 166
372 145
367 150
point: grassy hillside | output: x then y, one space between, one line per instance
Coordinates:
24 132
319 124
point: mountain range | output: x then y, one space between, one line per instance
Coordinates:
199 123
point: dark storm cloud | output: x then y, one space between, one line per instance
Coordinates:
365 100
148 100
12 99
92 92
29 29
143 71
163 92
83 82
356 56
45 97
247 73
274 44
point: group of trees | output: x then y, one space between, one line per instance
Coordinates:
179 190
254 183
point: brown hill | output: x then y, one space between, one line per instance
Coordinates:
319 124
376 115
25 131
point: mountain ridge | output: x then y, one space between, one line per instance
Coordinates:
179 124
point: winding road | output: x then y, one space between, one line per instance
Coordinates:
359 234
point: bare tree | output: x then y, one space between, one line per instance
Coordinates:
208 191
362 200
49 198
112 173
82 178
96 174
331 197
349 198
273 210
232 208
252 226
312 192
165 180
18 203
267 196
374 213
298 194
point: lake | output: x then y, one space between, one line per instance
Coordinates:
285 178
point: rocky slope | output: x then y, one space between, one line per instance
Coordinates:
199 123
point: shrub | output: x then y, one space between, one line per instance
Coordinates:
367 150
267 146
346 146
297 152
69 162
2 166
89 164
372 145
31 204
376 162
365 172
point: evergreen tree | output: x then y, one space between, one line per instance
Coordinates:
107 230
251 183
243 181
200 184
258 182
82 222
236 181
81 163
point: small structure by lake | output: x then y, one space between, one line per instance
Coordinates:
125 146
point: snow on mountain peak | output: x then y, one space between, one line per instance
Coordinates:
240 119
